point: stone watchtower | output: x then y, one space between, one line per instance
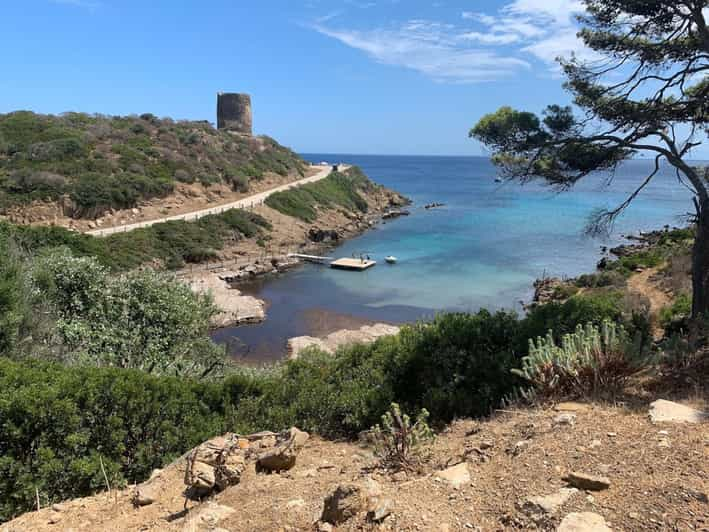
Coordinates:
234 112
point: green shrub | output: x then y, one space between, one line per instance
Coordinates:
398 442
337 189
601 279
74 146
140 320
58 423
457 366
562 318
591 362
675 317
173 243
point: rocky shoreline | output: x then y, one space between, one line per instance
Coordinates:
329 230
548 289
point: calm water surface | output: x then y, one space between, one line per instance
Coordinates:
485 248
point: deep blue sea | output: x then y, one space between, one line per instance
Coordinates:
485 248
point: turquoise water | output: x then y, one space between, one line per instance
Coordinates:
485 248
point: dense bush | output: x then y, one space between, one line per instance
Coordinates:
59 423
458 365
139 320
61 419
15 309
173 243
591 362
600 279
675 317
562 318
338 189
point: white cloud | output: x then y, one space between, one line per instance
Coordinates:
491 38
561 11
429 48
486 46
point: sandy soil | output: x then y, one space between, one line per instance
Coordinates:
658 481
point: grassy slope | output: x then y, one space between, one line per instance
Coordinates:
338 189
105 162
173 243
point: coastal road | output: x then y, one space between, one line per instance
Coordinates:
255 199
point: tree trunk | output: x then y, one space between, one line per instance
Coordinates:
700 264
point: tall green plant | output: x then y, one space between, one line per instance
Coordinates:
592 361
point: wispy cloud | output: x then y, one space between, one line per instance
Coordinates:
430 48
484 46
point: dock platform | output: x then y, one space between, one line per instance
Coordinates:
310 258
352 264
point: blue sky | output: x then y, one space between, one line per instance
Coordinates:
345 76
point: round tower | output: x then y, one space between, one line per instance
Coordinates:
234 112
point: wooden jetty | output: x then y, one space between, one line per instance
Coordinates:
310 258
352 264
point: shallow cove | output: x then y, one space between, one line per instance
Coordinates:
484 248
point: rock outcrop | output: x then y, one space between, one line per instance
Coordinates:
662 411
315 234
329 344
220 462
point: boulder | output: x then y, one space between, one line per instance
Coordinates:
662 411
145 494
215 464
206 517
549 504
583 522
323 235
565 419
570 406
344 503
456 476
282 456
220 462
584 481
380 510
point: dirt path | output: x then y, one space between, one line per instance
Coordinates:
643 284
255 199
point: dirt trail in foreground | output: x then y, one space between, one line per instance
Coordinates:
658 481
642 283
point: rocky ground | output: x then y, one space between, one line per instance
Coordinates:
574 467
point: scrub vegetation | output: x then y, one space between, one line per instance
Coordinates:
113 162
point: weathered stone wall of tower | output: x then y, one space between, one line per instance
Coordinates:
234 113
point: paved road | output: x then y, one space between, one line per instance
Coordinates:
256 199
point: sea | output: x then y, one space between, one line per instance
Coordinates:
483 248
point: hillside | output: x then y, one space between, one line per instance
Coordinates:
86 166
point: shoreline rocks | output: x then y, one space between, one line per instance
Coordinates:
365 334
